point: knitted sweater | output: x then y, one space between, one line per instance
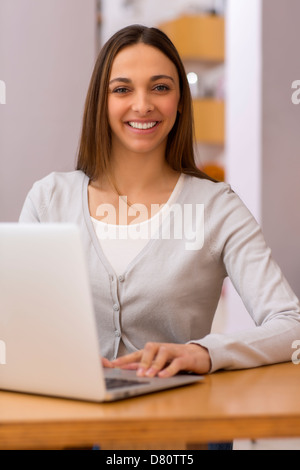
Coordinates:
170 291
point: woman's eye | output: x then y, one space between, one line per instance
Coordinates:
161 88
120 90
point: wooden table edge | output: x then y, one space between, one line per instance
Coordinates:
82 433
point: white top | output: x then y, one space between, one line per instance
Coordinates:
122 243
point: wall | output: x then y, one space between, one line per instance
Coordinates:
262 155
47 51
243 123
243 99
281 135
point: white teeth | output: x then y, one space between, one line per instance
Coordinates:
140 125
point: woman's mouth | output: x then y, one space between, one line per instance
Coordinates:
143 125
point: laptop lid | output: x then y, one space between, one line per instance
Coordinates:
47 323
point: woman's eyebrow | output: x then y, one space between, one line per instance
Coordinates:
159 77
120 79
152 79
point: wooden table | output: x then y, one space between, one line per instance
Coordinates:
254 403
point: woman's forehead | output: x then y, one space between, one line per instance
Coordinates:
142 59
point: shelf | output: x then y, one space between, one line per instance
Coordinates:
209 117
200 37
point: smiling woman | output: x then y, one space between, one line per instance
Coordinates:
155 298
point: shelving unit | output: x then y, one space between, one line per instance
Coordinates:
200 41
209 116
198 37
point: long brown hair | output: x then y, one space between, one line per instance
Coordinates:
95 144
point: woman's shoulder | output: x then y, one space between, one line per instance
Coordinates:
57 186
219 198
56 179
52 195
205 188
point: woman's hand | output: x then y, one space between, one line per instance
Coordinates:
166 360
106 362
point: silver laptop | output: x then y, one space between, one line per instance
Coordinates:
48 337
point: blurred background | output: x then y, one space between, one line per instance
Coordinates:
241 59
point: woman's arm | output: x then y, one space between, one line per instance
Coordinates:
237 241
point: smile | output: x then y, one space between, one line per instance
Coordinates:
143 125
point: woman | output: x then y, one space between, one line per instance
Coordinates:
160 236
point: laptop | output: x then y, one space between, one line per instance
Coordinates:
48 336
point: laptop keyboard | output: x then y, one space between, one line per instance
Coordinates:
112 383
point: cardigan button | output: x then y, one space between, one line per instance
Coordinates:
116 307
121 278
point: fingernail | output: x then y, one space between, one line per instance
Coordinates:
151 372
140 371
163 373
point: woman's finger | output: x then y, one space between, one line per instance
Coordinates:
106 362
130 366
159 362
148 354
173 368
192 358
134 357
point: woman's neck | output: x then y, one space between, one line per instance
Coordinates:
134 180
136 174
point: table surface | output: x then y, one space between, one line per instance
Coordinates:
256 403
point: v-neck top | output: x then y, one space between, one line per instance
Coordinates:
170 290
122 243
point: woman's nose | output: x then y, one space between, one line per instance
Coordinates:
142 103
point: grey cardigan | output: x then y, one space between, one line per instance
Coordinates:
169 293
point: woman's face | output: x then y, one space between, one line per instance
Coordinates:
143 100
